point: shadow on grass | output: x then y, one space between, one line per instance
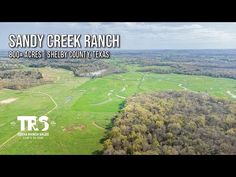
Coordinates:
108 129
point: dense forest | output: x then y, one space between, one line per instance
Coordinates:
16 79
14 75
192 68
214 63
169 123
6 64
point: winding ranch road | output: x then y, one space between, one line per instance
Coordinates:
185 88
103 102
121 97
181 86
98 126
55 106
232 95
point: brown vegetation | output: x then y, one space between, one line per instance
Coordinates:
174 123
16 79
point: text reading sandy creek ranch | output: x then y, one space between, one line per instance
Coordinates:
64 41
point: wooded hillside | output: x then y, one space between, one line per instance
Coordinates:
174 123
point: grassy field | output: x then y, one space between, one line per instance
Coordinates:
82 108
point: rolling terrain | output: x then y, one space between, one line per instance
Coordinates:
81 109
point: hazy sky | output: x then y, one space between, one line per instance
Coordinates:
138 35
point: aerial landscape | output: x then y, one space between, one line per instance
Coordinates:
138 102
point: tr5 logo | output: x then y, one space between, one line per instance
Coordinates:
32 123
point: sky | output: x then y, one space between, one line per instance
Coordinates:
140 35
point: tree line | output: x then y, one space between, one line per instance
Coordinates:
212 66
80 67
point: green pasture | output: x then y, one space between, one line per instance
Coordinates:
85 107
